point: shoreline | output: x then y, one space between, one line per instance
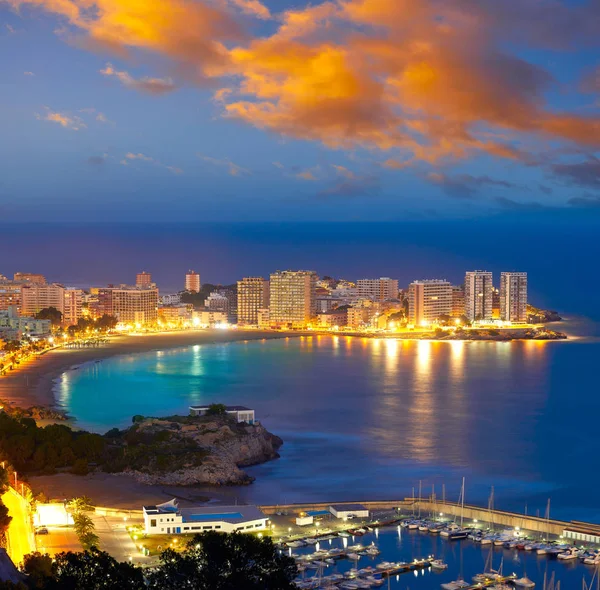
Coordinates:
32 383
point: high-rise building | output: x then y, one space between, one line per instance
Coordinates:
252 295
10 294
513 296
428 300
378 289
192 282
28 277
72 306
478 295
35 297
143 279
458 301
130 305
292 297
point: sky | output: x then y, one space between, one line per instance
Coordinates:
289 110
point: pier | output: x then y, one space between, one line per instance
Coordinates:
587 532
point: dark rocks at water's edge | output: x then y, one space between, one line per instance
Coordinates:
36 412
186 450
542 316
501 335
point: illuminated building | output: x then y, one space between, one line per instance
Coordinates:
478 295
513 296
176 314
428 300
331 318
217 302
72 306
130 305
458 302
263 318
252 295
206 317
192 282
28 277
10 294
143 279
36 296
378 289
361 316
292 297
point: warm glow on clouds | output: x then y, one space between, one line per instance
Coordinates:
423 80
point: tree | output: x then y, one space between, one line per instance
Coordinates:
50 313
236 561
94 570
216 410
38 568
107 322
4 518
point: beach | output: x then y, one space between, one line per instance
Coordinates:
31 384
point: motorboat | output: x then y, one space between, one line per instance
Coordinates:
438 564
456 585
524 582
568 554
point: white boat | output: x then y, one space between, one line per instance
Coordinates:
353 556
524 582
438 564
568 554
456 585
592 559
311 541
375 581
542 550
372 550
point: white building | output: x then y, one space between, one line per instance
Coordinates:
478 295
206 318
349 511
171 299
428 300
378 289
292 298
169 519
241 413
14 326
513 297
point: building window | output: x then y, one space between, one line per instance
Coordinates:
153 522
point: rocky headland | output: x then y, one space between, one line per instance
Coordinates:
190 450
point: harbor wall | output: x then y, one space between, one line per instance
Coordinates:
500 518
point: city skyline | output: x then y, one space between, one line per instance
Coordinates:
268 111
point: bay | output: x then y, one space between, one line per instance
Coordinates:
366 419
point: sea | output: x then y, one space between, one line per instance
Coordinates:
360 418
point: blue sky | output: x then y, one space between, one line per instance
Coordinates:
148 139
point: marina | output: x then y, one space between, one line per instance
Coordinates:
440 550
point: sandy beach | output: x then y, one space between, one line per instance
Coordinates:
31 384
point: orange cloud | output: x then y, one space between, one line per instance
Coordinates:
423 79
63 119
145 84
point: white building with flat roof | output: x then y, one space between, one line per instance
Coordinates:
349 511
478 295
170 519
378 289
240 413
513 297
428 300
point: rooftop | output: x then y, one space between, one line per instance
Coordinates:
232 514
227 408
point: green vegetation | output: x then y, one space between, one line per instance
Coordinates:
198 299
211 561
216 410
50 313
82 523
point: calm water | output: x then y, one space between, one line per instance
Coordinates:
463 558
368 419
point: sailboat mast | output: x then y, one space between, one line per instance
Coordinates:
462 508
419 498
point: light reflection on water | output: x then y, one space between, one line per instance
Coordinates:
367 418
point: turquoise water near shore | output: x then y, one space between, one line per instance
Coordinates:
369 418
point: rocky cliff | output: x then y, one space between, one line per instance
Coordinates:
194 450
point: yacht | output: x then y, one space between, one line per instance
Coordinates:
438 564
456 585
524 582
569 554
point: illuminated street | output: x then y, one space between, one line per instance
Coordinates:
21 540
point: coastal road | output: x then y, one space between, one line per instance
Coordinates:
21 540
